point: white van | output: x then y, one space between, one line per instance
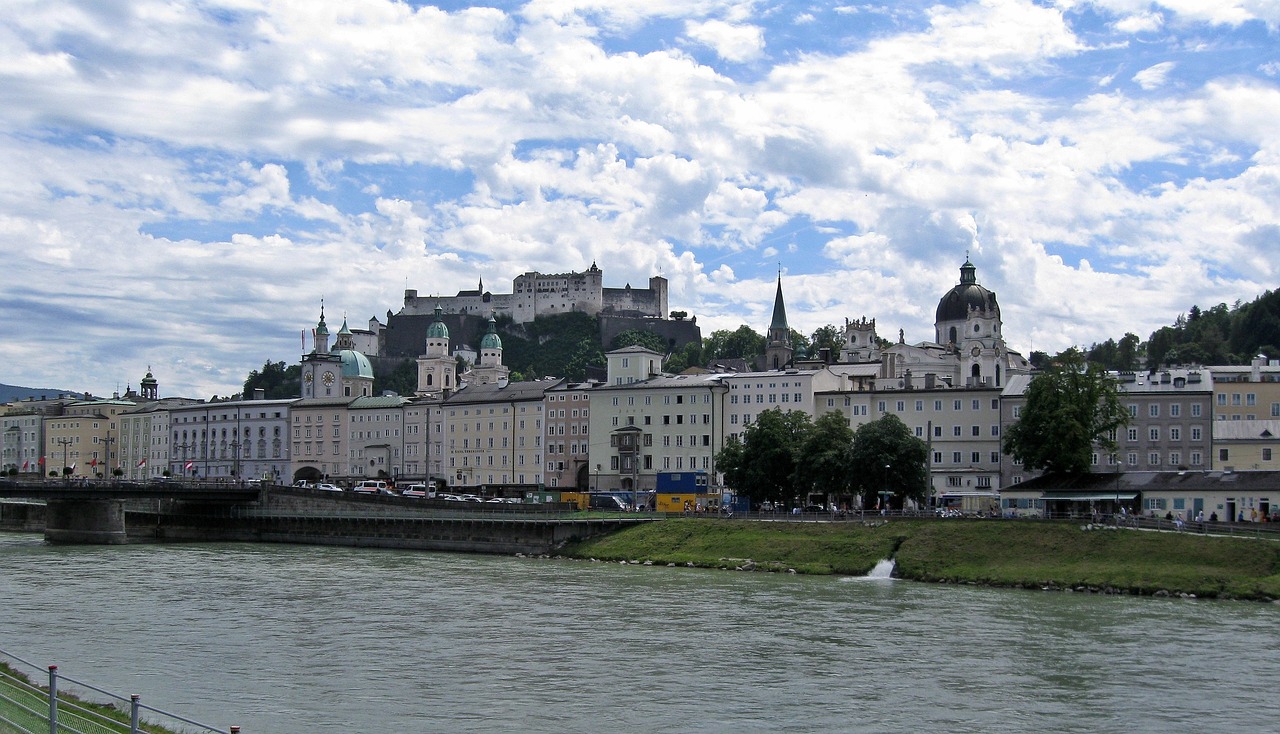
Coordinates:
371 486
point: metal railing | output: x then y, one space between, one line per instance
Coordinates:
32 709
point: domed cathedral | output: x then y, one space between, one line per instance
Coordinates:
489 368
969 350
436 370
967 323
340 371
777 347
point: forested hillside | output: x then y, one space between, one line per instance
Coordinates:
1218 335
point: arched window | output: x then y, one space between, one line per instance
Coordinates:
953 335
977 370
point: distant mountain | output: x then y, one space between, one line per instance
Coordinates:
13 392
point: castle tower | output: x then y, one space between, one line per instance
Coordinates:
777 348
435 366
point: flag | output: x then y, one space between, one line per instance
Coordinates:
41 462
304 341
142 463
73 466
25 464
189 465
93 462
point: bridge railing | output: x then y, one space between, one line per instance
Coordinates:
34 709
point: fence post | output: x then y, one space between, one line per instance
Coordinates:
53 699
133 713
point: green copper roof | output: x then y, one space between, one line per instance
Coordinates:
437 329
779 310
491 340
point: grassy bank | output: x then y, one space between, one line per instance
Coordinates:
997 553
26 705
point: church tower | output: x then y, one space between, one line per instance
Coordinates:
149 388
967 323
860 341
436 372
777 348
489 368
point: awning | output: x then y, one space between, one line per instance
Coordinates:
1097 497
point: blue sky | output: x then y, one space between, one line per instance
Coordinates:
181 183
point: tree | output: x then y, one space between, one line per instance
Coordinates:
886 457
402 380
824 463
639 337
1070 408
742 343
762 466
690 355
828 337
276 380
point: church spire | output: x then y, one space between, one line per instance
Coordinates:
777 350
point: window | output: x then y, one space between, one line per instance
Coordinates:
1195 433
1196 459
1153 434
1175 433
1222 454
1266 454
1175 410
955 457
955 431
1195 410
1133 434
1153 458
1175 458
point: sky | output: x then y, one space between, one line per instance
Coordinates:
182 183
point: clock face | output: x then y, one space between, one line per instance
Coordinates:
328 378
976 351
307 377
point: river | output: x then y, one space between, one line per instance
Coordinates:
284 639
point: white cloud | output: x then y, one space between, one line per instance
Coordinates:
1154 76
732 42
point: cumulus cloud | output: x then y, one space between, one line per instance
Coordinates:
351 150
732 42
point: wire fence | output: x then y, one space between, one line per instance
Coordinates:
29 708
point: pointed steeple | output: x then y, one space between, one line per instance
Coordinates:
777 350
322 333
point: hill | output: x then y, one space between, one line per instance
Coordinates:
10 393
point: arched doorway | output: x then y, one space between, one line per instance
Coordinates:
307 474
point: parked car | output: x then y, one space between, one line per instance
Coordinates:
326 487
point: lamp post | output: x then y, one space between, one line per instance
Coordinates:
64 441
885 493
108 441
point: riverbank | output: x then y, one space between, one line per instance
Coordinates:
1052 555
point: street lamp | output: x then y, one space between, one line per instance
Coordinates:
64 442
885 493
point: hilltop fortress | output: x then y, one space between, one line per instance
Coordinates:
533 294
540 294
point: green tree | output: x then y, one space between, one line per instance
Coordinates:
402 380
825 461
639 337
830 338
690 355
886 457
277 381
742 343
1070 408
762 466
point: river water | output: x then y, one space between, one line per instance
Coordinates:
286 639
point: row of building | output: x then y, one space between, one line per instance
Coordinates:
958 392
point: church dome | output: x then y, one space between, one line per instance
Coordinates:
491 340
437 329
355 364
955 305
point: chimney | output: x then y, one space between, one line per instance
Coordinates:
259 393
